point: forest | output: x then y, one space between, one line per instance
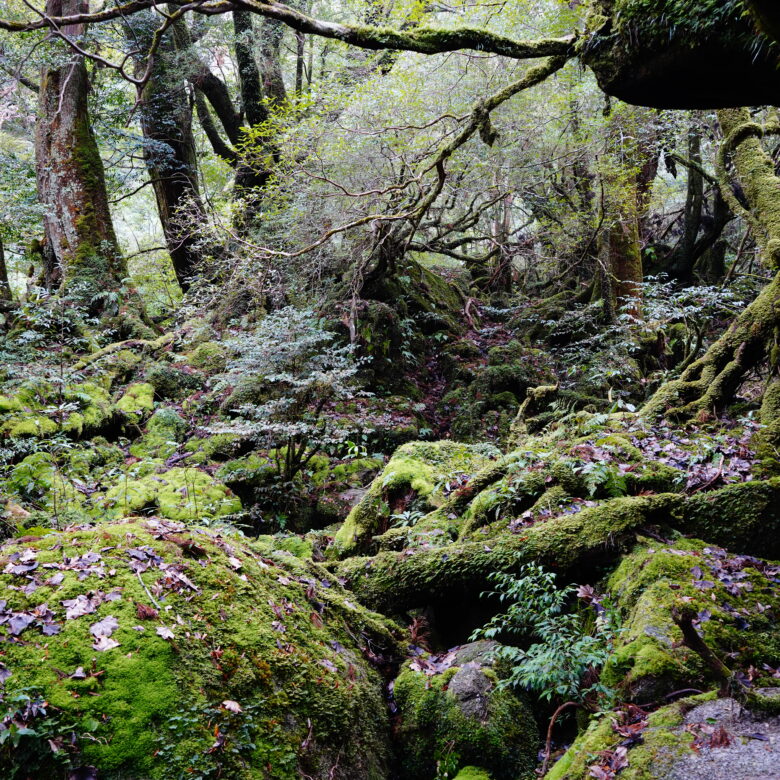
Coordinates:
389 389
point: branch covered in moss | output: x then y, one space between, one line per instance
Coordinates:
423 40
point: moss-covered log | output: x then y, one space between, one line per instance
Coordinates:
745 518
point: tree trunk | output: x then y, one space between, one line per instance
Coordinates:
170 155
250 172
5 288
71 178
709 383
628 171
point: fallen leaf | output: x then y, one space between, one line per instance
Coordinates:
104 627
105 643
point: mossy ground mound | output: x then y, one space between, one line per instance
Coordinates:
416 480
173 652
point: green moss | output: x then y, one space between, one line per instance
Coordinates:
664 741
417 472
218 446
30 425
171 382
165 429
745 517
210 356
243 631
650 659
9 404
37 479
179 494
472 773
252 471
461 715
300 546
137 402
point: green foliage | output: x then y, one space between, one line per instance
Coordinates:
303 371
569 643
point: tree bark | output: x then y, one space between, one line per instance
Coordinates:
628 171
71 178
169 151
250 172
5 288
709 383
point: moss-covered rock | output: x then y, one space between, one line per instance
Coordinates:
186 494
210 356
169 653
136 402
458 716
472 773
736 598
417 477
172 382
662 743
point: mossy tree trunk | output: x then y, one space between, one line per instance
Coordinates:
70 175
709 383
250 173
628 169
170 154
5 288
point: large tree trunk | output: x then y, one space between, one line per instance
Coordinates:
250 172
169 151
709 383
628 170
70 176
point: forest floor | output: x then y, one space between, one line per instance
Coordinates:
181 597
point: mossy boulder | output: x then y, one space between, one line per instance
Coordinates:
210 357
735 597
472 773
661 744
38 409
186 494
417 477
171 381
697 738
164 431
453 713
215 447
136 402
163 652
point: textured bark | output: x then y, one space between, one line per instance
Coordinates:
710 382
627 175
170 155
271 36
70 176
5 288
250 174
